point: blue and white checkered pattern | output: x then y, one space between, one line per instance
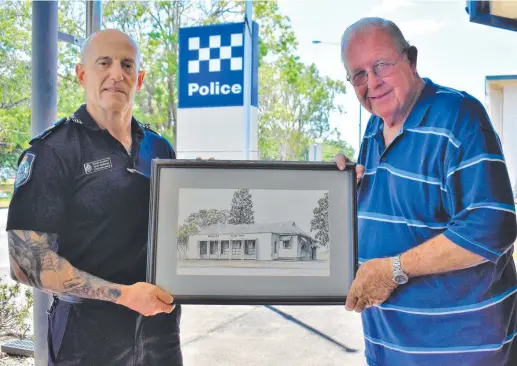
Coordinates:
214 63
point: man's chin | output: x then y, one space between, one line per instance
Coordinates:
115 105
382 111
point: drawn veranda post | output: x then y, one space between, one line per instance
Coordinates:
253 232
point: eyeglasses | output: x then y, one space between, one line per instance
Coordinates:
381 70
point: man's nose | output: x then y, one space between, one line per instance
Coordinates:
373 80
116 72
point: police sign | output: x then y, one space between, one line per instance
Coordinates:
211 66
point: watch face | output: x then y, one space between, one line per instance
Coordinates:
400 279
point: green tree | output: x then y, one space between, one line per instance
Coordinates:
15 81
320 221
295 100
335 145
241 211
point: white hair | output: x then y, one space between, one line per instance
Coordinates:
365 25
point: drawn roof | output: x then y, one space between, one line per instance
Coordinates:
281 228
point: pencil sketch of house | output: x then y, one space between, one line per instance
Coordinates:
261 242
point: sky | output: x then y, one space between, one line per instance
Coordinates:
269 205
452 51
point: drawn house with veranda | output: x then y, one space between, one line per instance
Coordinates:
275 241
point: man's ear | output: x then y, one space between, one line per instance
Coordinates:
79 72
141 76
412 55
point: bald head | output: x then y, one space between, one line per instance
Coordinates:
105 38
368 25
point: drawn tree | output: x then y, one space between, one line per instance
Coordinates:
241 211
208 217
185 231
197 221
320 221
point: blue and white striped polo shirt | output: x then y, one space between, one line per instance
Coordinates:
444 173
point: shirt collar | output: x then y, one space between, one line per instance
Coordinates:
84 118
417 114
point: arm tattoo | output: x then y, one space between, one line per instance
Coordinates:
35 264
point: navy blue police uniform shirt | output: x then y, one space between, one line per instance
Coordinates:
78 181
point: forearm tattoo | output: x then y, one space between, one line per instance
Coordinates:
35 264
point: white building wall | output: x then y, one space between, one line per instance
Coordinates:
495 110
502 108
264 246
509 132
215 132
291 252
193 252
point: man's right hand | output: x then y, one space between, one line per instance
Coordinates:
341 164
146 299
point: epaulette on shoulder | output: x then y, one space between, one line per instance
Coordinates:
50 129
147 127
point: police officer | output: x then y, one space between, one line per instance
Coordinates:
78 220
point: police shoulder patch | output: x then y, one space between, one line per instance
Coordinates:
24 170
147 127
50 129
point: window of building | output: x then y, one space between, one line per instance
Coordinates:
203 248
236 246
213 246
249 247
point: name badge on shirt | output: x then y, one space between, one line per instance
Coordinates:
97 165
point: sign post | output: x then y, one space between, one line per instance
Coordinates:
213 118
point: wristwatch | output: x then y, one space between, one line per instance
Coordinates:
398 275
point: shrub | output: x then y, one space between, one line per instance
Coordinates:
15 309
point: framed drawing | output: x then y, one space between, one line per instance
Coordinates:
252 232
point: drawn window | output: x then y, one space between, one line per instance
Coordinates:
287 244
213 246
236 246
225 246
203 249
249 248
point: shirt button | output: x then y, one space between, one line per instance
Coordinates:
383 159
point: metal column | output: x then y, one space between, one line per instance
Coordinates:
360 126
44 113
93 16
248 32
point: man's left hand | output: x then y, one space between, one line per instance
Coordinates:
372 285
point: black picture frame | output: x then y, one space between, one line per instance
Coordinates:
169 178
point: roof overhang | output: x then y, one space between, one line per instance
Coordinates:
498 82
494 13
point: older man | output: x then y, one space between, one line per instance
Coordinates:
437 283
77 223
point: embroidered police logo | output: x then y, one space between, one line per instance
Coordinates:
97 165
24 170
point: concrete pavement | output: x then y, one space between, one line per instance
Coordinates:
259 335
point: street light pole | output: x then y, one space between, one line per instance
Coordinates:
360 123
248 29
316 41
